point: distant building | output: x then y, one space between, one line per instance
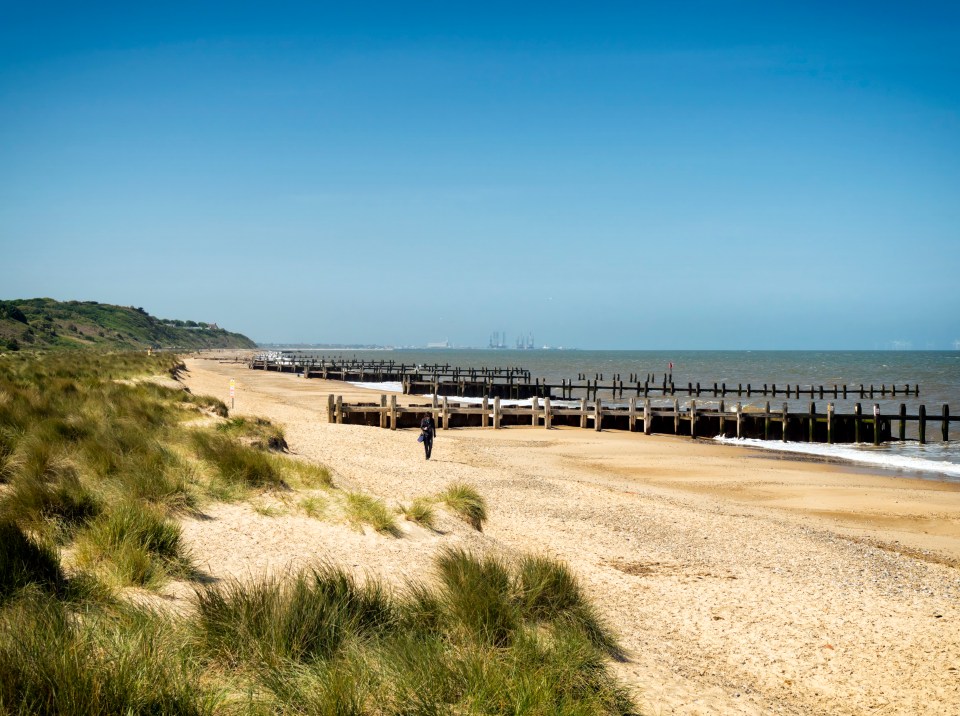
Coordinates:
439 344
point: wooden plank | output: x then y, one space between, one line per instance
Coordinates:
330 408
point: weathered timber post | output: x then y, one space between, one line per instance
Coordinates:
773 389
786 418
598 415
945 426
829 423
339 409
857 418
749 390
647 425
844 391
723 420
715 389
632 421
821 392
766 420
547 419
393 412
533 411
693 419
446 414
922 423
876 423
739 420
903 421
330 408
583 412
861 391
383 411
435 400
496 413
676 416
484 416
811 421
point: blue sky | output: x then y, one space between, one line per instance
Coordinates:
606 175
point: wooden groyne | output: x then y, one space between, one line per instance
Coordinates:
637 415
516 382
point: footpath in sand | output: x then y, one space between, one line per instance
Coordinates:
739 583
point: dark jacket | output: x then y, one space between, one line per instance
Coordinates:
428 428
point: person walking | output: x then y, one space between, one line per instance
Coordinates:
428 430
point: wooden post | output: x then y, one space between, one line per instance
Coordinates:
446 414
693 419
484 416
876 421
330 408
945 427
632 424
547 420
857 417
383 411
922 423
393 412
533 411
739 420
766 420
830 423
903 421
647 425
339 410
786 418
583 412
598 415
676 416
723 420
811 421
496 413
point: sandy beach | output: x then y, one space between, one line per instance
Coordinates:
739 582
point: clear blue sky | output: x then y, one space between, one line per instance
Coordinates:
609 175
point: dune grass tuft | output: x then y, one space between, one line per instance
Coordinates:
257 432
420 511
135 545
363 509
130 662
237 464
464 500
299 619
24 562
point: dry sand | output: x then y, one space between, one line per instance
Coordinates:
740 583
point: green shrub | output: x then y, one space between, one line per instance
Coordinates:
467 503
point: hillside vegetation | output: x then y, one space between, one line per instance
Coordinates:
45 323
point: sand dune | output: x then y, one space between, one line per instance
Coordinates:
740 583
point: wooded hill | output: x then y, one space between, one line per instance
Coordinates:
45 323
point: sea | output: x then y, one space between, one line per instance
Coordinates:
936 372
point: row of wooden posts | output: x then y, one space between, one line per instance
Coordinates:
638 415
516 383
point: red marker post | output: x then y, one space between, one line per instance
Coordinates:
232 385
